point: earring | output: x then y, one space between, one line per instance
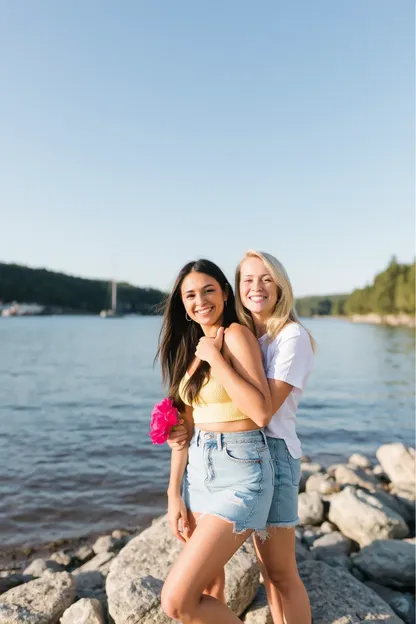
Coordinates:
188 318
225 303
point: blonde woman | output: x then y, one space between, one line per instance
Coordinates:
265 304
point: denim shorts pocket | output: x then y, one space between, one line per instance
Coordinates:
294 468
242 453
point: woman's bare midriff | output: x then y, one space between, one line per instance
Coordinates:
229 427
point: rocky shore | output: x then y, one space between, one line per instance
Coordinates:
355 549
394 320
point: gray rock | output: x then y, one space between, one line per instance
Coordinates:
331 545
42 601
107 543
388 562
402 604
85 611
84 554
39 566
379 473
310 535
302 553
258 612
398 463
89 583
307 469
137 574
332 468
62 558
13 579
338 598
310 509
351 475
100 562
121 535
363 518
359 460
395 503
337 561
406 499
328 527
310 468
356 572
321 483
92 585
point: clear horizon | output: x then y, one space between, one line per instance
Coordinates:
137 138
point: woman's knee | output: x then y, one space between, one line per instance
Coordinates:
285 580
173 603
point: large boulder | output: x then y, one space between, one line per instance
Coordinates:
398 463
137 575
8 580
338 598
364 518
259 612
42 601
388 562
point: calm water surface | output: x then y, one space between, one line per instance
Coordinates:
75 399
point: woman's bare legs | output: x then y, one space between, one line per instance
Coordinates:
216 586
287 596
209 548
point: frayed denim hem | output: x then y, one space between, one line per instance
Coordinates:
262 534
283 525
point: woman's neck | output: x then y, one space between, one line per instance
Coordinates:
260 325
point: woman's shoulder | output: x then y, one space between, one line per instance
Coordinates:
237 333
293 332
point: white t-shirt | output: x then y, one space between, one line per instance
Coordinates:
289 357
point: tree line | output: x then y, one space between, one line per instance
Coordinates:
66 294
392 292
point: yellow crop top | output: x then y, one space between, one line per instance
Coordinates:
214 403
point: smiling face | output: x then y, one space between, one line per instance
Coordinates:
258 290
203 299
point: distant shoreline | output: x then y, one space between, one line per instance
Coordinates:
392 320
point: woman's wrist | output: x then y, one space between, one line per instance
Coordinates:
173 492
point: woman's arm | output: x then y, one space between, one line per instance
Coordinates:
176 506
279 391
243 376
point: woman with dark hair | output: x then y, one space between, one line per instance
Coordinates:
215 375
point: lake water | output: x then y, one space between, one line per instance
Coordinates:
76 395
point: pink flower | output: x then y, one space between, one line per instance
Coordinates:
164 417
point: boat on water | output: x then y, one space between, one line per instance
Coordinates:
112 312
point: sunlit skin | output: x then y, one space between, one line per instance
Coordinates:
258 292
204 301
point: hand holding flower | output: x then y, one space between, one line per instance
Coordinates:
164 417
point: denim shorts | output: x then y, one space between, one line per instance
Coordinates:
230 475
284 507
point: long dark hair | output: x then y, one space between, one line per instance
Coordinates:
178 337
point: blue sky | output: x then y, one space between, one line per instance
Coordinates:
138 135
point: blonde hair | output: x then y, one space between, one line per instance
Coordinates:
284 310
